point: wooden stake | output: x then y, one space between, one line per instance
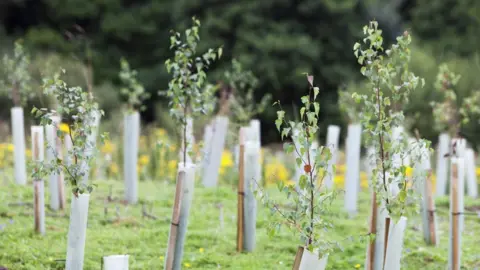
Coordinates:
36 206
241 192
455 257
430 208
61 187
175 220
387 229
298 258
373 230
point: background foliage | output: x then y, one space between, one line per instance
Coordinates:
277 39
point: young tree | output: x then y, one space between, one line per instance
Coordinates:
390 84
189 97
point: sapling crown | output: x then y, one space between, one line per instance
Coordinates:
450 114
390 86
188 90
17 82
79 109
243 84
309 200
133 90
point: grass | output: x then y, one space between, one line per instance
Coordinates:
208 246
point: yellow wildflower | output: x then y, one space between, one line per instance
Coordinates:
160 132
340 169
409 171
339 180
143 160
227 159
276 171
10 147
201 250
357 265
187 265
107 147
114 168
161 258
363 180
64 128
172 167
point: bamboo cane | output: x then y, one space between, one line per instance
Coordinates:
37 206
36 156
455 257
241 193
430 209
175 220
298 258
373 230
387 229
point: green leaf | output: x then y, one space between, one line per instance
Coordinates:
302 182
278 124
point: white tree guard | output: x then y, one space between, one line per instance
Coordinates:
187 197
115 262
18 136
37 133
370 163
398 136
310 261
190 142
92 142
210 174
460 162
38 184
470 167
68 150
442 164
77 232
131 137
395 244
422 170
39 203
353 167
256 129
252 164
333 135
207 146
298 169
53 186
379 239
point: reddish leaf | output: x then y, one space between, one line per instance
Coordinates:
310 80
307 168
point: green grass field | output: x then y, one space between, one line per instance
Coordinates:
208 246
